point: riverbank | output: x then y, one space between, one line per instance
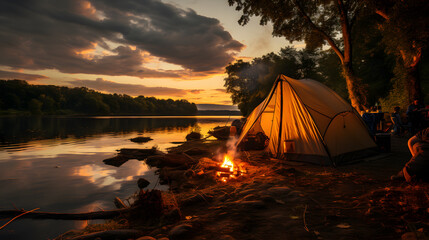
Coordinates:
275 200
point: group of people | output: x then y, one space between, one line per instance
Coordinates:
418 126
417 118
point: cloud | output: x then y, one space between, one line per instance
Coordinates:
111 37
130 89
222 90
196 91
22 76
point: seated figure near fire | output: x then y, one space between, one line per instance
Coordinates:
418 166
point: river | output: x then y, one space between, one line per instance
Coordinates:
56 164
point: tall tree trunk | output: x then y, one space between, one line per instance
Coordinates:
413 84
411 64
355 88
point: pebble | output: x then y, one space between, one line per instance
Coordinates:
180 231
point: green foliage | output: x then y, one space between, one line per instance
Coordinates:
288 20
18 95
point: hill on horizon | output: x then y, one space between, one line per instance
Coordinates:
216 107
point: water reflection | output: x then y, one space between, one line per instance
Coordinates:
55 164
23 129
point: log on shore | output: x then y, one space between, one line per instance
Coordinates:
67 216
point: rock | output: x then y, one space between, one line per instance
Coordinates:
146 238
193 136
139 154
196 151
141 139
142 183
154 160
116 161
170 160
180 231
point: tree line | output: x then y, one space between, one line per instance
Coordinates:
387 35
19 96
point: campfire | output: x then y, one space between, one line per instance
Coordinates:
228 169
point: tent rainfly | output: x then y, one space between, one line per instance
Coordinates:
305 120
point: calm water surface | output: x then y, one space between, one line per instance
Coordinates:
56 164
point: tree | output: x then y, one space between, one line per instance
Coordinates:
35 106
316 23
406 33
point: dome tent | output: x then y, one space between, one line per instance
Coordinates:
305 120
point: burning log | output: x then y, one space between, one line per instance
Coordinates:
228 169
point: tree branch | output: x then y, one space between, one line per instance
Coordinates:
344 21
330 41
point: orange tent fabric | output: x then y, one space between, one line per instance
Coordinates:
307 121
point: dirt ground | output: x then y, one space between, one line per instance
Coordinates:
279 200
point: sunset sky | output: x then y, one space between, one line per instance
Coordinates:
167 49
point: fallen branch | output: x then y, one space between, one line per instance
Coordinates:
66 216
20 215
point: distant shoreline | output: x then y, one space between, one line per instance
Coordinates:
199 113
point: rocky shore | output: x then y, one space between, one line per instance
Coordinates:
272 199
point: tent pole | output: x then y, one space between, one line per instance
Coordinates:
281 120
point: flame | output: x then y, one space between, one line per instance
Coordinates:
227 163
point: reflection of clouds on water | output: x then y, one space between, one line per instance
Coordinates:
68 174
96 175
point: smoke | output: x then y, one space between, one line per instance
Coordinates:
231 148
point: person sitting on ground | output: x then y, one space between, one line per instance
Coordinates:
418 167
396 120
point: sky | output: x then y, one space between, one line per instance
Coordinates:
166 49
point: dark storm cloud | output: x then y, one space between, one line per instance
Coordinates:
18 75
49 34
130 89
